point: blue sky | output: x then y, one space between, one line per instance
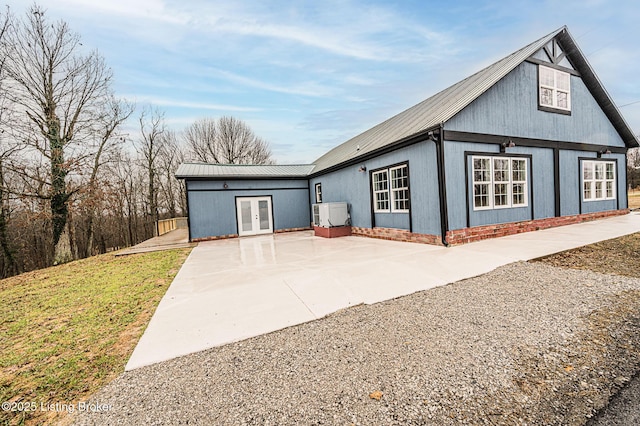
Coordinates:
308 75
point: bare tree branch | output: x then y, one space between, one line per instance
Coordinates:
226 141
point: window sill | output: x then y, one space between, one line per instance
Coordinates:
554 110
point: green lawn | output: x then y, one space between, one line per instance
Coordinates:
66 331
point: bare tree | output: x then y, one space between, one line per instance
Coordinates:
201 140
170 158
59 91
115 112
150 145
7 149
226 141
633 167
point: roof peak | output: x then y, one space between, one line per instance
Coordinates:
446 103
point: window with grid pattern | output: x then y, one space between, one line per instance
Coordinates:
555 88
499 182
381 191
598 180
399 189
391 189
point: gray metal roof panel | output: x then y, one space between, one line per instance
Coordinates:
430 112
203 170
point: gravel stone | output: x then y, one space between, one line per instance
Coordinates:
624 407
525 344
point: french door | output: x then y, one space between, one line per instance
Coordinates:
254 215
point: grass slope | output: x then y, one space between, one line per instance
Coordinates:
66 331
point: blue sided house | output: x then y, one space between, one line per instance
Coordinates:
530 142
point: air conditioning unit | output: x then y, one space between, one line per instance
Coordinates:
329 215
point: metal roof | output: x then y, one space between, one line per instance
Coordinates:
441 107
201 170
429 114
597 90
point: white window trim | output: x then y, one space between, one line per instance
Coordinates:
604 180
393 190
554 89
514 182
318 192
390 190
491 183
380 191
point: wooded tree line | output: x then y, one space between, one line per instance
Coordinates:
72 182
633 168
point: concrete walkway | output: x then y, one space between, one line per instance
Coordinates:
230 290
178 238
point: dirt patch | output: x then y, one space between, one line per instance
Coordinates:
618 256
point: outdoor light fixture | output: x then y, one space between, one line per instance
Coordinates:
362 169
508 144
225 186
604 150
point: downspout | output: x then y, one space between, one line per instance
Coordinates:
437 137
186 194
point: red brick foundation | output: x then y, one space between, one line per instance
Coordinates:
396 235
219 237
337 231
280 231
477 233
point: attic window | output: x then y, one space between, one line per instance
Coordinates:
554 88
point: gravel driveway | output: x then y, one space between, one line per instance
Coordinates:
525 344
623 409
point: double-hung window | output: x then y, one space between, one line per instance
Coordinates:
391 189
399 188
381 190
554 88
318 192
499 182
598 180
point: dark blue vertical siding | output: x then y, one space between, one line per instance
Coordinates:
541 170
352 186
212 210
455 167
511 108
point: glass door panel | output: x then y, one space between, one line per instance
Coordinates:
263 211
245 213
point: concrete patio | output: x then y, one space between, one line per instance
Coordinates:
230 290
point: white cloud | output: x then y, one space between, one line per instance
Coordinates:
174 103
155 10
306 89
